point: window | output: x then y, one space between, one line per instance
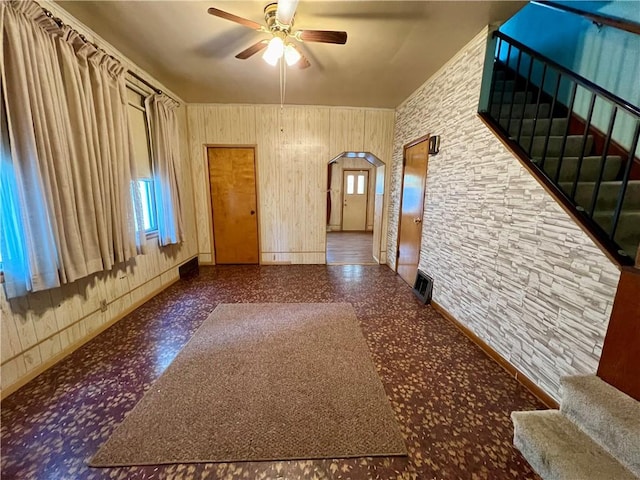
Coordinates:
147 195
142 156
350 184
360 184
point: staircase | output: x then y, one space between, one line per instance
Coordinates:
594 436
592 176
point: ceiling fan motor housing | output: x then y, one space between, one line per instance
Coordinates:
272 23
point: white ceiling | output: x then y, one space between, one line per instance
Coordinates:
392 48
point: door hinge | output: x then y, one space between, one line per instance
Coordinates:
404 161
398 253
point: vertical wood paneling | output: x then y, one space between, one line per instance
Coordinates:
294 145
196 119
272 225
213 125
291 158
378 139
347 131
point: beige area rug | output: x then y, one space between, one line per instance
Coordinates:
262 382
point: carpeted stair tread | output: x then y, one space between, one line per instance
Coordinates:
627 232
609 416
589 169
559 450
520 110
607 194
558 126
572 146
507 86
507 96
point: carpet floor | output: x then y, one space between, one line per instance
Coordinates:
451 401
267 381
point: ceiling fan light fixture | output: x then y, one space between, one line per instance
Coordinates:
274 51
291 55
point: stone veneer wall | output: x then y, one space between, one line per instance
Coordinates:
507 260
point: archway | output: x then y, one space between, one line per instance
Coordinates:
343 247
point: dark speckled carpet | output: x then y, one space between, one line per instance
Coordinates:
451 401
267 381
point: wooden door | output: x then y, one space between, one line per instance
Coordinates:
355 192
410 232
232 177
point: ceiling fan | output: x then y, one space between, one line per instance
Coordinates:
279 18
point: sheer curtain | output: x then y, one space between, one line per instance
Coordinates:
68 171
165 147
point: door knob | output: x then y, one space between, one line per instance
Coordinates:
417 220
253 212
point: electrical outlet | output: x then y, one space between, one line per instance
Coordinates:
103 305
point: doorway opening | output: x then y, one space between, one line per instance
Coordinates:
355 201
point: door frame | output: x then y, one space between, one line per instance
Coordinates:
212 241
366 201
407 146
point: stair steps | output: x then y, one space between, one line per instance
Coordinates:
551 443
558 126
502 85
607 415
572 146
516 110
589 169
607 194
521 110
595 435
626 231
506 97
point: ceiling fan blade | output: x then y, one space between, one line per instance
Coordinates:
253 49
234 18
302 63
286 10
322 36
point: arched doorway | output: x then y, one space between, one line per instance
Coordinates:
355 202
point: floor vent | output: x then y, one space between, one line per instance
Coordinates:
423 287
189 269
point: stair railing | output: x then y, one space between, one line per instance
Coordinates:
561 94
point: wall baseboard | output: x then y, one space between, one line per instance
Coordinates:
499 359
73 347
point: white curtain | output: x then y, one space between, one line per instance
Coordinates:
165 146
67 177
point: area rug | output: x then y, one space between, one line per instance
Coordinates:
259 382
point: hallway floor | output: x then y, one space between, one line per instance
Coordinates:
350 248
451 401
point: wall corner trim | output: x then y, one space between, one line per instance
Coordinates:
499 359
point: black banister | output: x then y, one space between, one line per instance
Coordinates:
574 76
610 21
587 170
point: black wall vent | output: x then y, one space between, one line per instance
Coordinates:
189 269
423 287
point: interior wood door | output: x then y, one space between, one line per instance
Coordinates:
410 232
232 177
355 192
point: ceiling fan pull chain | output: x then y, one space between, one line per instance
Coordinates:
283 82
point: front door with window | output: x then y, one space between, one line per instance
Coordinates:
355 190
232 178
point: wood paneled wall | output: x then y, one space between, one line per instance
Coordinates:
293 146
41 328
